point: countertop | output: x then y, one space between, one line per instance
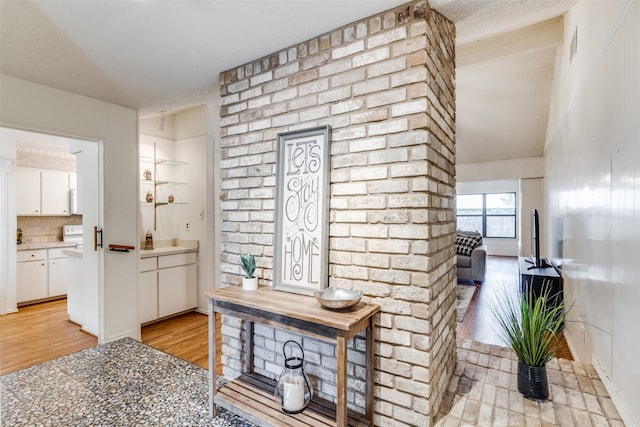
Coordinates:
50 245
182 247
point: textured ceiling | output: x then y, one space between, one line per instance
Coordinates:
153 55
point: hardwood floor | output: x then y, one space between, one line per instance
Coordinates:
478 325
38 333
42 332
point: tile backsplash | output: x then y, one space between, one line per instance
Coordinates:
45 229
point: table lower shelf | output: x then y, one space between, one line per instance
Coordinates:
251 396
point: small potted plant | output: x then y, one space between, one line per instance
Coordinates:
532 325
249 283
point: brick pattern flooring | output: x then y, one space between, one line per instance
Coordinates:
484 392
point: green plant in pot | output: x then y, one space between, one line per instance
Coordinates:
249 283
531 324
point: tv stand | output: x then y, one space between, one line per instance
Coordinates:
532 277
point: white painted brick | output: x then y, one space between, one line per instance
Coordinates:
304 102
375 202
368 144
349 189
409 138
348 50
350 271
388 246
314 113
285 120
369 173
229 120
335 67
261 78
387 38
350 216
388 156
371 85
230 99
286 70
417 106
370 57
408 231
347 106
419 200
349 133
313 87
369 116
238 86
393 66
413 75
236 130
394 336
361 30
391 126
389 217
411 324
370 260
348 77
410 169
251 93
415 357
348 244
275 85
334 95
387 97
259 102
236 108
259 125
284 95
372 231
349 160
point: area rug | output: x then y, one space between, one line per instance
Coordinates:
122 383
464 294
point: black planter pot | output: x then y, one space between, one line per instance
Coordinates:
532 382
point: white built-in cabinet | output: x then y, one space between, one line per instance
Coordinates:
41 274
42 192
168 285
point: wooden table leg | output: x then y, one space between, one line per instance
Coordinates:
212 359
341 381
370 369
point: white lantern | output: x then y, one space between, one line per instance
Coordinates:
293 390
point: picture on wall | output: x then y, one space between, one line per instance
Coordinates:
302 210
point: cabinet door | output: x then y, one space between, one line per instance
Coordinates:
28 194
148 296
57 277
32 280
55 193
177 289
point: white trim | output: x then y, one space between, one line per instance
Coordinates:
613 392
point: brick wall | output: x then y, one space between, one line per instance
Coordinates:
386 86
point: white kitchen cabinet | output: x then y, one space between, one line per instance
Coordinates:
148 296
55 193
168 284
41 274
177 289
57 263
28 194
42 192
32 275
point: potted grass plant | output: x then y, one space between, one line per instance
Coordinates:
249 283
531 324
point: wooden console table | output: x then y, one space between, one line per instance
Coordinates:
251 395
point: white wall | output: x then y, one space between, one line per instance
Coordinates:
592 181
531 197
530 167
30 106
500 247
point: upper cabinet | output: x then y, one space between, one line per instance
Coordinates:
42 192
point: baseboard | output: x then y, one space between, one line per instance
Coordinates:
201 311
117 337
613 393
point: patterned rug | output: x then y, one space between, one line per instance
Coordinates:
464 294
122 383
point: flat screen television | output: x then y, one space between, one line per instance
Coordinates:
536 259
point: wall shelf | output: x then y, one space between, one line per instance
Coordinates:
155 183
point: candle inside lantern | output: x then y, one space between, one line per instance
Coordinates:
293 395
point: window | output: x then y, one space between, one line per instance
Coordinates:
491 214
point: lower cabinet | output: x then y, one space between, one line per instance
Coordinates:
168 285
41 274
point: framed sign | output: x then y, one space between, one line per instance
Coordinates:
301 250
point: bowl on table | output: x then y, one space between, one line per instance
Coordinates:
335 298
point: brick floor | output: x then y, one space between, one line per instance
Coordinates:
484 392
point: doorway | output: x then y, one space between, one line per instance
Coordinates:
33 150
